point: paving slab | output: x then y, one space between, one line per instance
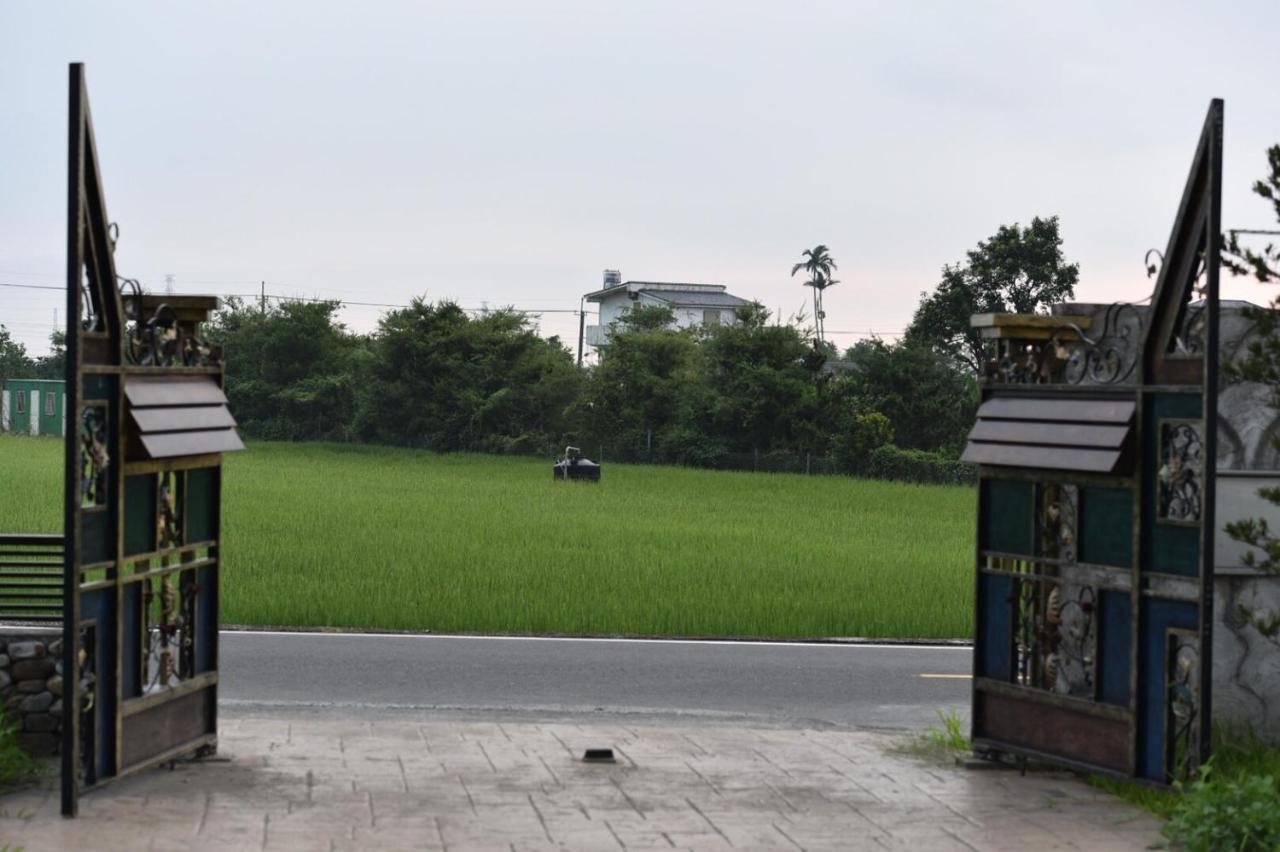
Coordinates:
433 784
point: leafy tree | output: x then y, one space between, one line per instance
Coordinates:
1018 270
53 365
760 393
646 318
643 385
291 369
1243 260
14 363
819 265
861 432
1261 363
443 380
928 401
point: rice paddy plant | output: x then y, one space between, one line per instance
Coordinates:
376 537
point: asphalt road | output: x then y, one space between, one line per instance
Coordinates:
785 684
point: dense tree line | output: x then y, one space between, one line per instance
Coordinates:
431 375
16 364
434 376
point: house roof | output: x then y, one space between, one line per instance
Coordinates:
697 299
677 294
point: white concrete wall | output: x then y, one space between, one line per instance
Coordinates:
4 410
614 307
1238 500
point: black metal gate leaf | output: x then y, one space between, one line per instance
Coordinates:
142 511
1095 442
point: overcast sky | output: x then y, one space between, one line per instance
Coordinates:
506 153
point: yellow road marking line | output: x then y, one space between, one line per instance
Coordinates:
949 676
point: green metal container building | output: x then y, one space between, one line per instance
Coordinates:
34 406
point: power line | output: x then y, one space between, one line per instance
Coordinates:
347 302
32 286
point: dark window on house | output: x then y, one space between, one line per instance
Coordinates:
710 317
50 401
20 397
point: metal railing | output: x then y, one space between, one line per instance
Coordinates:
31 569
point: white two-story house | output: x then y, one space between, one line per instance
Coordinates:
692 304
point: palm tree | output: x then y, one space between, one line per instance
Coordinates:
819 265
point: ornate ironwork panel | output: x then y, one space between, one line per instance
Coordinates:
142 514
1096 515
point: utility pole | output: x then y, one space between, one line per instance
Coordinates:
262 299
168 284
582 322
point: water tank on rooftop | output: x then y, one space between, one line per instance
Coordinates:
612 278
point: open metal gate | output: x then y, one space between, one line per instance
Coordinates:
1096 443
147 424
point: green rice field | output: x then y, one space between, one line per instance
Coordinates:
329 535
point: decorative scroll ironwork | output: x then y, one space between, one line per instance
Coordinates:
168 520
90 311
160 339
1181 475
168 656
1056 521
1191 333
1055 637
94 457
1182 687
1071 356
1112 357
86 658
1018 362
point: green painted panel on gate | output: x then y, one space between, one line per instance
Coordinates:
1008 516
139 514
1175 550
98 387
201 508
95 537
1106 526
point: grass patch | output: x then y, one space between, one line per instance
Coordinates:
16 766
942 743
1234 804
377 537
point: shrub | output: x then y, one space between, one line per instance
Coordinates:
895 463
862 433
1227 813
15 764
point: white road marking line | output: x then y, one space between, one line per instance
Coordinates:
948 676
775 643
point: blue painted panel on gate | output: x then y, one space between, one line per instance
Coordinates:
1158 615
994 627
1115 625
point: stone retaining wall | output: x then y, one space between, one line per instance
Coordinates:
31 689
